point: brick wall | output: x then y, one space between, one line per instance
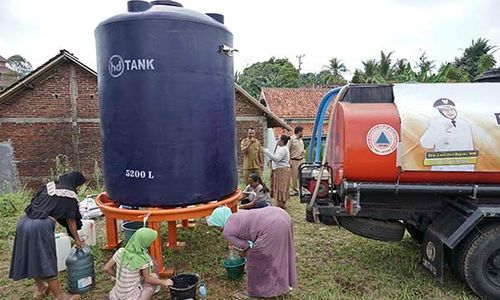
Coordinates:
245 108
38 122
247 115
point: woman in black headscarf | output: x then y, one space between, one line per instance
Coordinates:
34 253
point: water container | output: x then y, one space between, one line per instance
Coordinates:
166 90
202 291
88 233
80 266
129 228
63 249
184 287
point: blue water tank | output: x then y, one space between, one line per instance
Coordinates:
166 89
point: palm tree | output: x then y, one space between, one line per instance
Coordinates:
369 70
477 57
336 67
385 67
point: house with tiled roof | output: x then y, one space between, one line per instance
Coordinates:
7 76
297 106
55 110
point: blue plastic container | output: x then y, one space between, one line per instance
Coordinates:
166 89
80 268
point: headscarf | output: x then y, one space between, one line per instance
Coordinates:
52 200
219 216
71 180
135 253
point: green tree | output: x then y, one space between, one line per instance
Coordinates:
477 58
20 65
358 76
424 68
336 67
384 67
272 73
452 73
402 71
321 79
370 68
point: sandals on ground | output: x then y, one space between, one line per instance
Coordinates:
242 295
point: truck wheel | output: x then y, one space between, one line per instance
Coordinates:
382 230
458 254
416 234
482 264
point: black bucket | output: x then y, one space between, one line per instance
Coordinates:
184 287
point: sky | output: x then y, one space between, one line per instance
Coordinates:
352 31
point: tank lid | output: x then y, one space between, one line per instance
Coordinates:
138 5
164 10
166 2
217 17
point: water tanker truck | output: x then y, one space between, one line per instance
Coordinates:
424 158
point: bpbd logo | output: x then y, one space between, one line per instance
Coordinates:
117 65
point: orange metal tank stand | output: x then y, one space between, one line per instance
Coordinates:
155 216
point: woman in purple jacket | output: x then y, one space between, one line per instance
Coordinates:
265 236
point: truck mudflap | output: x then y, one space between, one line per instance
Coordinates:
433 254
449 229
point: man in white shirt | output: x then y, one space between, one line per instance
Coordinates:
448 133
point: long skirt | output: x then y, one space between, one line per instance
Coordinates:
271 266
34 252
280 185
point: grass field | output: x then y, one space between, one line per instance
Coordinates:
332 264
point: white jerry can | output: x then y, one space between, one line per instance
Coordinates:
88 233
63 249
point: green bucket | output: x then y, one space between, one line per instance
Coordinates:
235 268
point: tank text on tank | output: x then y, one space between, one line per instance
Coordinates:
139 174
117 65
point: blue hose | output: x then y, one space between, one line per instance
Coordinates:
317 134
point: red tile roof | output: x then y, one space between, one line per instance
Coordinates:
293 102
308 127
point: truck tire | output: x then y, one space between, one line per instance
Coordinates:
381 230
458 254
416 234
482 264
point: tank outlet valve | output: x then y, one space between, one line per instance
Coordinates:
227 50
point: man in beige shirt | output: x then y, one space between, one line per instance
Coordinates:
252 155
297 155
